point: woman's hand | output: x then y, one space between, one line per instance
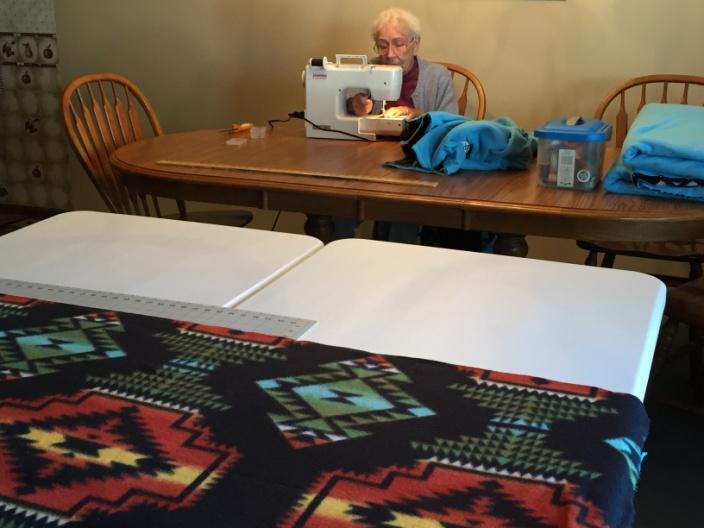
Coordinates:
360 104
401 111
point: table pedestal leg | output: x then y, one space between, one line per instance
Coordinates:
319 226
512 245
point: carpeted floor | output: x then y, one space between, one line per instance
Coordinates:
10 223
671 488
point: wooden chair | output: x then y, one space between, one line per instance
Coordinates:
466 78
685 305
104 111
632 95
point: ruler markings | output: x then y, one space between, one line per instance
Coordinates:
244 320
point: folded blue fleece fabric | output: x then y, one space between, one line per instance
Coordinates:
663 154
445 143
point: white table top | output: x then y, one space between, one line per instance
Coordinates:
151 257
565 322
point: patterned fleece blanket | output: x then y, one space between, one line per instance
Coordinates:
113 419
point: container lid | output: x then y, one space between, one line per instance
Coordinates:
575 129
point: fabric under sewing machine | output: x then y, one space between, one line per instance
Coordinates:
445 143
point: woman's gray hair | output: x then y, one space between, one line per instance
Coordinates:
399 16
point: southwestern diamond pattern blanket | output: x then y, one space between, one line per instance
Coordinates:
115 419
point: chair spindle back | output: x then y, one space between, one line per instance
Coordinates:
687 91
465 78
101 113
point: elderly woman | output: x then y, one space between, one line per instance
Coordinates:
426 86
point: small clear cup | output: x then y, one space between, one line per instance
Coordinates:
257 132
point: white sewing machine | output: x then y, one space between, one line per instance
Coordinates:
330 84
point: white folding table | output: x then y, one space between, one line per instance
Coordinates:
151 257
565 322
560 321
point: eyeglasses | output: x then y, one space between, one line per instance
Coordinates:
382 46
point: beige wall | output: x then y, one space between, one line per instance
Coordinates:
208 63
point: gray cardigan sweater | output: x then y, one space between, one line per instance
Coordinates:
434 91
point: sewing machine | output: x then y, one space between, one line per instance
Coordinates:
330 84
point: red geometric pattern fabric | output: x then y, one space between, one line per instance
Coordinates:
433 494
105 454
189 425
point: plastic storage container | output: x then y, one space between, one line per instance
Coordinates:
571 152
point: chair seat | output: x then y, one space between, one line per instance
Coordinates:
686 303
685 250
230 217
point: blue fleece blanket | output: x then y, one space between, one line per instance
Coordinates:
663 154
445 143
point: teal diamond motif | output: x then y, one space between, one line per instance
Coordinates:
341 401
33 351
342 397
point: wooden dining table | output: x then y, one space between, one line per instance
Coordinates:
323 178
